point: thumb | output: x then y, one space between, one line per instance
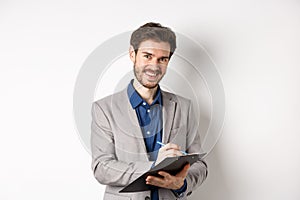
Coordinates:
184 171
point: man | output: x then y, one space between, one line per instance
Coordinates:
126 126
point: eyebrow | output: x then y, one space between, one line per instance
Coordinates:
151 54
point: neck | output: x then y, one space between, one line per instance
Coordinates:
147 94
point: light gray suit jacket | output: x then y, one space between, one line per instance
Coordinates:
119 155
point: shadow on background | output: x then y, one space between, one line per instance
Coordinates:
215 186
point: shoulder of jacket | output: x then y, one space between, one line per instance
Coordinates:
174 97
112 99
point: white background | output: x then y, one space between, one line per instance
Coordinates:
256 47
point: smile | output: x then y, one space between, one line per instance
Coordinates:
152 74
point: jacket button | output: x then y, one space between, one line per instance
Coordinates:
147 198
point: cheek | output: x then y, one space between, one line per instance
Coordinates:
140 62
164 70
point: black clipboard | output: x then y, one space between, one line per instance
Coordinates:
172 165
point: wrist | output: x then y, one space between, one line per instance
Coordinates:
181 191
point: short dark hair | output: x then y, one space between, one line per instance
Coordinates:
153 31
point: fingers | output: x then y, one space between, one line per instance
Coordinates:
164 174
169 150
152 180
172 153
170 146
167 181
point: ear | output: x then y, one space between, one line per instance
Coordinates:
132 54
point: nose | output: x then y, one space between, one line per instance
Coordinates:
154 61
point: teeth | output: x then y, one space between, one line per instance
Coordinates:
150 74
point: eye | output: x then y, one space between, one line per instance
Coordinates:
147 56
164 60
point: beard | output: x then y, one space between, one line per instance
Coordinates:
140 76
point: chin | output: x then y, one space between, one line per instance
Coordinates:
150 86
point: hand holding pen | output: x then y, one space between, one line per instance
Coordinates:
162 144
168 150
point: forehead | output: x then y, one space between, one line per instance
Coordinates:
155 46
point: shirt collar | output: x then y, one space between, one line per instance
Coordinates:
135 99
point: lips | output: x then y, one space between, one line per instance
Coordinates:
152 73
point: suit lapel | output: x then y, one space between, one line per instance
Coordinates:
169 107
133 127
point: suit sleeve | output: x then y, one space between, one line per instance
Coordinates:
198 171
107 169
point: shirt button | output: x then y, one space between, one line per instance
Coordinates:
148 110
148 132
144 103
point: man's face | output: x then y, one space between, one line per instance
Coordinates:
150 62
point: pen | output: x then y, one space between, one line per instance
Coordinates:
162 144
